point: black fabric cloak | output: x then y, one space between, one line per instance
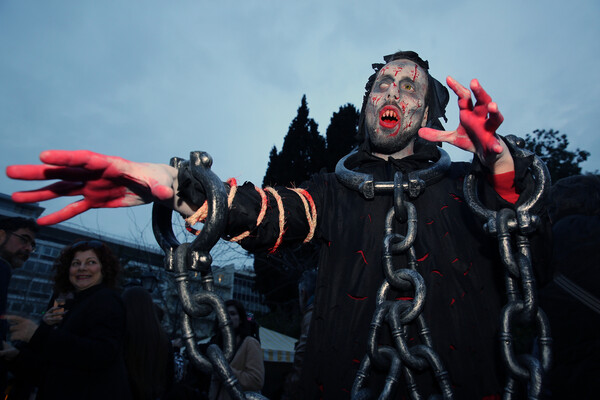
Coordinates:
459 263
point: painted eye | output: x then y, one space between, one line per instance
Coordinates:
408 86
384 86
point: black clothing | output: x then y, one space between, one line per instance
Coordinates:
5 275
459 263
81 358
575 327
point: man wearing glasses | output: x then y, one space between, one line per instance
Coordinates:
17 242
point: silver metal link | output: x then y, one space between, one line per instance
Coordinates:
400 360
510 227
513 227
398 315
186 258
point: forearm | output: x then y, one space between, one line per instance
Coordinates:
258 219
503 162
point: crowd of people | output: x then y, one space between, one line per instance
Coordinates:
97 341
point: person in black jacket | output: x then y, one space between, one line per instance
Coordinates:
148 351
460 265
77 351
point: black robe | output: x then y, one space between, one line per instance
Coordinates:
459 264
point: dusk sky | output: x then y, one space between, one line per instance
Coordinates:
149 80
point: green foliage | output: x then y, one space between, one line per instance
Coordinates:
342 134
551 147
302 154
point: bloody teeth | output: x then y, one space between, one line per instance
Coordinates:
389 115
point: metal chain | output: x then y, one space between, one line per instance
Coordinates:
181 259
509 227
513 227
401 359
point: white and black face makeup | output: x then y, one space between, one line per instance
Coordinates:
396 107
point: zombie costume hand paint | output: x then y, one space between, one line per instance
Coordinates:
103 181
396 108
476 131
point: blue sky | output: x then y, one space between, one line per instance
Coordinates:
148 80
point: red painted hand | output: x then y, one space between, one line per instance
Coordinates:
476 131
103 181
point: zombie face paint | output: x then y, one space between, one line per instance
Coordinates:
396 107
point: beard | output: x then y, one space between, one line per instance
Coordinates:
16 260
390 145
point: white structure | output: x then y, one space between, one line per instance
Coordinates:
238 284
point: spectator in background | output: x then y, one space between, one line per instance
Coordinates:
572 299
148 351
77 353
306 296
17 242
247 363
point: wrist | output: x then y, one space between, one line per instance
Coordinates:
504 185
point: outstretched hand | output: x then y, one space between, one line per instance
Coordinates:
103 181
476 130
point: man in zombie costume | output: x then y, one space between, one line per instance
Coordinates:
459 264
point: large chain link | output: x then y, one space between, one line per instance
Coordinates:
513 227
508 226
401 359
186 258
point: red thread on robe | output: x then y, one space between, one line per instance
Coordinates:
363 256
455 197
356 298
435 271
453 301
443 207
423 258
468 269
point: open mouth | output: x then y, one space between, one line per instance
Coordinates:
389 117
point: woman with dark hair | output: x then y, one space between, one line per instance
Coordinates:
77 350
148 351
247 363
